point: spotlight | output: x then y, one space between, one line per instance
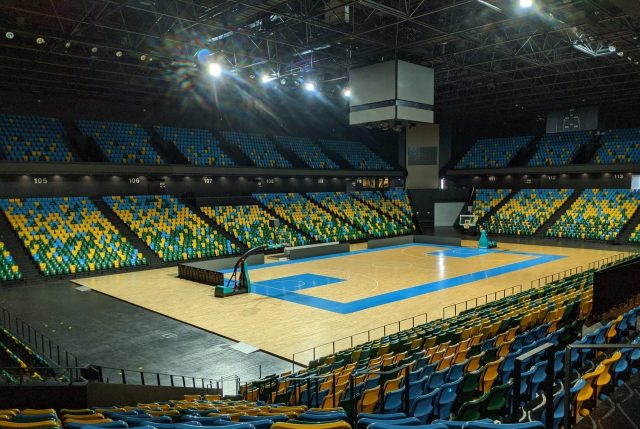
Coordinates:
621 54
283 81
40 40
265 78
118 54
214 69
9 35
612 48
67 45
346 92
94 50
525 4
310 86
143 57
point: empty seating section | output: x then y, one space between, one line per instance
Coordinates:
20 360
169 227
597 214
33 139
400 198
635 235
69 235
487 199
357 154
387 206
8 269
559 148
121 143
526 211
619 146
250 225
493 153
315 222
258 148
308 151
367 219
460 368
199 146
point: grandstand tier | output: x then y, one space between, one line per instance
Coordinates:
121 143
170 228
33 139
308 151
69 235
487 199
199 146
526 211
8 269
357 154
619 146
559 148
258 148
597 214
493 153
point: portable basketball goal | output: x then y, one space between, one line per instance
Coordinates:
468 221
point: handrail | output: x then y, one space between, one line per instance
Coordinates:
351 338
613 258
544 280
568 421
486 300
41 344
25 372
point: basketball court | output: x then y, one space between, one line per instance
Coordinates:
298 305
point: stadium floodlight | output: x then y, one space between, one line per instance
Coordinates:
118 54
143 57
40 40
9 35
346 92
265 78
67 44
525 4
215 69
94 50
310 86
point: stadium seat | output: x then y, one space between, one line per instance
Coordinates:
170 228
619 146
308 151
357 154
33 139
597 214
258 148
493 153
9 270
559 148
69 235
486 200
120 142
199 146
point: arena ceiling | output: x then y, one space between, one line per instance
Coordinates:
488 55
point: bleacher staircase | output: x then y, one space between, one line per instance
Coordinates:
85 148
587 151
542 231
219 229
372 206
289 155
240 159
274 215
338 215
153 260
628 228
340 161
523 156
13 244
167 150
498 206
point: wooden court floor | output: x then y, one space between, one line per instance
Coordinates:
302 304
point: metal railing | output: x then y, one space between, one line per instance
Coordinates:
569 419
481 300
359 338
106 374
64 375
611 259
37 340
548 350
542 281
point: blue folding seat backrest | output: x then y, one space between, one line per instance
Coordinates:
407 421
117 424
391 416
183 425
25 418
320 418
450 424
258 424
234 425
487 425
145 421
205 421
389 426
